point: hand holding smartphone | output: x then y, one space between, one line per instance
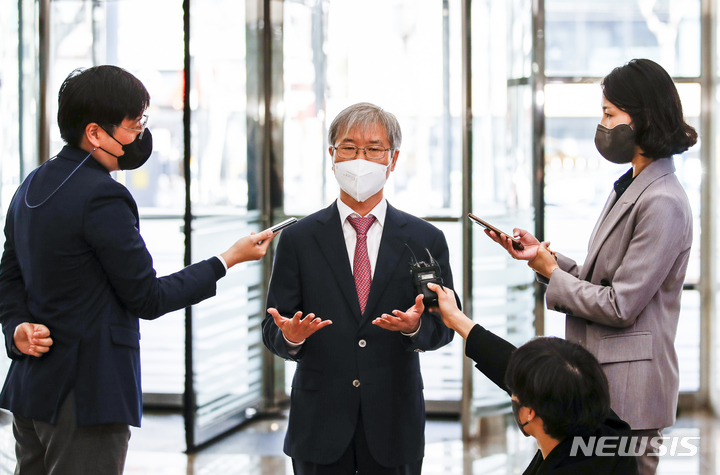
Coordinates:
517 245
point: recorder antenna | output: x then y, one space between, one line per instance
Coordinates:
413 254
432 261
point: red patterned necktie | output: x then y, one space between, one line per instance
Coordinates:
361 263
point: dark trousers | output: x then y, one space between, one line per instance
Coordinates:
64 449
357 459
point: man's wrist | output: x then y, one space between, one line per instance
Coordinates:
222 261
292 344
414 332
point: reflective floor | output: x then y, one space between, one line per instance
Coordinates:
256 449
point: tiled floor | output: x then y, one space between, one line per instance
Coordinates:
256 449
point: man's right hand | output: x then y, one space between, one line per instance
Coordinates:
295 329
32 339
249 248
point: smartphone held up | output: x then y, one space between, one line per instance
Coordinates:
517 245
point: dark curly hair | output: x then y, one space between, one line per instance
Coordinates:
563 383
644 90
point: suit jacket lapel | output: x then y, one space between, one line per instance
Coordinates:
612 213
392 249
330 237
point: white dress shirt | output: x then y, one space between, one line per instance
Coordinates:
374 234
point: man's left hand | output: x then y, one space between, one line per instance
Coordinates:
406 322
32 339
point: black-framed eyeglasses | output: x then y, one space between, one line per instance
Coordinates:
373 152
143 125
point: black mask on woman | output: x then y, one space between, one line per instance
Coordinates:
136 153
516 415
617 145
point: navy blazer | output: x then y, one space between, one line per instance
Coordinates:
77 264
353 365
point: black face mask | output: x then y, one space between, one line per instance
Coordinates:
617 145
136 153
516 415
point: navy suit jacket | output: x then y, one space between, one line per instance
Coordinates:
78 265
353 364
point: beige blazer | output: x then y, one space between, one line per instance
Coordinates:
623 303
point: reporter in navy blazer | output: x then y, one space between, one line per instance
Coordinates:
76 276
357 394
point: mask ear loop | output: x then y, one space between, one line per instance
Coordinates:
27 189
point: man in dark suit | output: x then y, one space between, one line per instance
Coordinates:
75 276
357 400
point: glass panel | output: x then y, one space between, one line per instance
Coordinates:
590 38
227 342
687 342
442 369
163 340
417 78
518 36
27 95
503 293
226 335
219 157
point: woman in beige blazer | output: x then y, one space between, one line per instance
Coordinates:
623 303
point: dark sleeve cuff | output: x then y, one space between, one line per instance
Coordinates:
490 353
218 268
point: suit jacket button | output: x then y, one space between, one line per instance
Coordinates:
362 343
356 383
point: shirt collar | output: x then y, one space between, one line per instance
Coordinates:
379 211
623 183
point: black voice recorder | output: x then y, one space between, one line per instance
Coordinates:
424 273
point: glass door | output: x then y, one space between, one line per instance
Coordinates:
502 104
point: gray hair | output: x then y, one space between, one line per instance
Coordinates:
364 115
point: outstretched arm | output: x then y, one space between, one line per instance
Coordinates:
490 352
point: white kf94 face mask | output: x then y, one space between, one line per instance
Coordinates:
360 178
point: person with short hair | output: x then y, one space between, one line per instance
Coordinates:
357 395
623 303
76 277
559 396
